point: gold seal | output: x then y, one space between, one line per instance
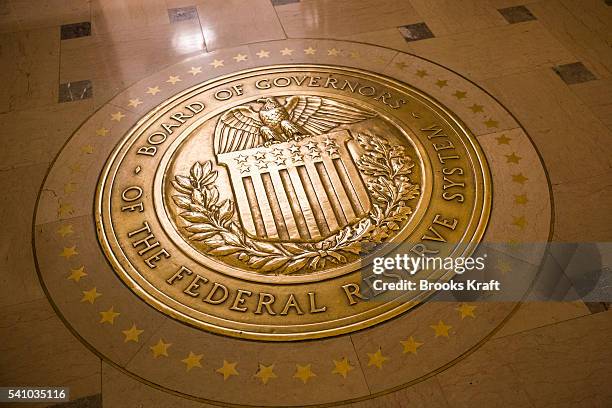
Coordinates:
252 205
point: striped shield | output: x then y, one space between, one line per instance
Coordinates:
303 190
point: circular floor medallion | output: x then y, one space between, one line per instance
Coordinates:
249 205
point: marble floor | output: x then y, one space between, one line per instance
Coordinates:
549 62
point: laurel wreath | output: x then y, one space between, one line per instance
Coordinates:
213 222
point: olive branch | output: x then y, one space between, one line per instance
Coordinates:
213 222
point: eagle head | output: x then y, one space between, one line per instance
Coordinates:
269 103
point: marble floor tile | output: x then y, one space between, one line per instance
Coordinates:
34 136
586 200
496 51
570 138
21 15
561 365
531 315
595 14
321 18
18 281
575 35
424 394
450 17
117 15
29 66
579 378
43 359
226 23
597 95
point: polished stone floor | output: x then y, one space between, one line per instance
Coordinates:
549 62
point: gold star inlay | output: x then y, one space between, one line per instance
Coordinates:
76 274
153 91
475 108
466 310
265 373
109 316
491 123
410 345
102 131
303 373
132 334
87 149
217 63
519 178
460 94
310 51
286 51
160 349
227 370
401 65
65 230
173 79
441 329
519 222
135 102
503 140
521 199
195 70
421 73
192 360
333 52
377 359
90 295
513 158
117 116
441 83
342 367
64 209
240 57
69 252
263 54
354 54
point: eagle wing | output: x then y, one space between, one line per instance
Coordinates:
319 115
238 129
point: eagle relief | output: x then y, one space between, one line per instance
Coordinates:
308 192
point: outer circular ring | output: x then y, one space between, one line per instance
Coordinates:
103 354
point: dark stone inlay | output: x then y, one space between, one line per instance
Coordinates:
574 73
75 91
415 32
92 401
517 14
76 30
596 307
182 14
283 2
